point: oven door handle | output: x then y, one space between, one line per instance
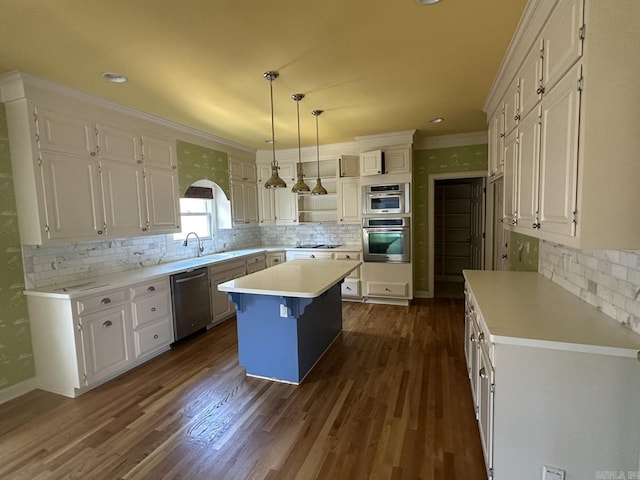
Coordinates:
384 194
385 229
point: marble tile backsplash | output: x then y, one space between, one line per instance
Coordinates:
51 265
606 279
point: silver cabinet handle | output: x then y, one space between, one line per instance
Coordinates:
483 373
155 337
107 324
105 301
481 337
472 337
151 289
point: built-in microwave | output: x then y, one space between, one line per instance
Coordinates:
390 198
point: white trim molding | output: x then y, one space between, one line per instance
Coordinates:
15 391
458 140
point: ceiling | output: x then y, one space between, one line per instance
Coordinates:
373 67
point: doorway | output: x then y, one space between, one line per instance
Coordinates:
457 230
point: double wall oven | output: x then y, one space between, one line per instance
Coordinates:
386 226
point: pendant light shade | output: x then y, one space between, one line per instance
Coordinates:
300 186
318 189
274 180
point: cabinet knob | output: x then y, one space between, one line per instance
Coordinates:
386 289
151 289
155 337
139 161
483 373
153 309
540 90
348 288
93 154
313 256
472 337
347 256
107 324
99 232
105 301
481 337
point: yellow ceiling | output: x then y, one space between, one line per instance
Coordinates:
373 67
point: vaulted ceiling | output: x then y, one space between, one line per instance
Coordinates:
373 67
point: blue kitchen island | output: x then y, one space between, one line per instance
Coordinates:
288 316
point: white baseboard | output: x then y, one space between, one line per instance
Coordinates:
14 391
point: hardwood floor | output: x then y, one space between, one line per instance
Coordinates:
390 400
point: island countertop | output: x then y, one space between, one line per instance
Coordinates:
297 278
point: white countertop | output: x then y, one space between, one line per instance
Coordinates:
297 278
527 309
125 278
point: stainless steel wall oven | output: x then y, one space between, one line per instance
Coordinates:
386 239
386 199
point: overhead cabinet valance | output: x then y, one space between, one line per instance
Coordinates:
79 177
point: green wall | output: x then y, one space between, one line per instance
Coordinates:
16 357
438 160
202 163
523 253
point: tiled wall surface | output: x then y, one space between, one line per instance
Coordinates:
44 266
607 279
70 263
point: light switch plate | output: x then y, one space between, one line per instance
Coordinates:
284 311
552 473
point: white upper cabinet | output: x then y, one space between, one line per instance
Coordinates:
511 161
496 143
349 201
587 153
82 178
371 163
245 203
59 132
397 160
563 36
512 106
348 166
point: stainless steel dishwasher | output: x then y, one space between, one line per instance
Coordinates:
191 303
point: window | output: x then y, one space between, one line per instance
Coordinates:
196 215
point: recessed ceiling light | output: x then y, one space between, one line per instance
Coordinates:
428 2
269 141
437 120
114 77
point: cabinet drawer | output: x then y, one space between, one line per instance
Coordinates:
258 258
235 265
350 288
152 337
101 302
150 288
347 255
151 308
384 289
255 267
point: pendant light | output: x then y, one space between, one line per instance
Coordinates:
300 186
274 180
318 189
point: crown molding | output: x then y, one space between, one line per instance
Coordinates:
446 141
308 154
370 142
15 85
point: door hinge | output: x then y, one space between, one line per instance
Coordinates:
580 83
39 162
35 117
492 388
484 235
46 228
582 31
574 218
84 377
491 473
79 327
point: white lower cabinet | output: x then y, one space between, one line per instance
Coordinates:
275 258
79 343
221 306
106 340
543 402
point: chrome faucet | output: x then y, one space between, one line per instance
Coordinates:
186 241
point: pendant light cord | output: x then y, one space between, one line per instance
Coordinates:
273 130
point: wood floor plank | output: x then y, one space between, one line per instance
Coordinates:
389 400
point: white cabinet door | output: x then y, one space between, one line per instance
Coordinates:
244 203
286 204
251 202
124 199
486 388
512 107
58 132
116 144
563 40
245 171
559 155
509 206
530 76
371 163
349 201
163 208
496 143
237 203
72 196
528 170
159 152
106 342
397 160
348 166
266 206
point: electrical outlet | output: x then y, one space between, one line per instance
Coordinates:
284 311
552 473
